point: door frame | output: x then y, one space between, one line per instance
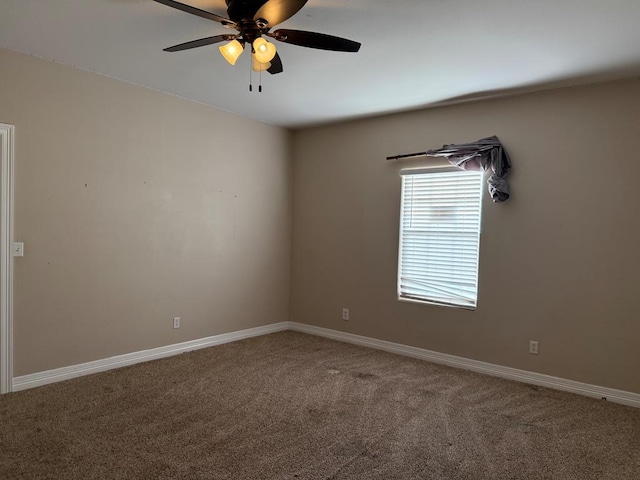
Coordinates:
7 147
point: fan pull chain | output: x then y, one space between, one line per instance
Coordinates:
251 76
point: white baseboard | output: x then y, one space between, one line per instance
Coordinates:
65 373
610 394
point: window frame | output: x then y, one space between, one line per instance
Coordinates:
424 300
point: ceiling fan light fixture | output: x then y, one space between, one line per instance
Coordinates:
263 51
257 66
253 21
231 51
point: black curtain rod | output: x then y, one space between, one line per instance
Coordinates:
408 155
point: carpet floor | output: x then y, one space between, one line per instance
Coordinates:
295 406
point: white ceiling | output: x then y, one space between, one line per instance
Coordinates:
415 53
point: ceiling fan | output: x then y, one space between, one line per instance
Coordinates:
253 20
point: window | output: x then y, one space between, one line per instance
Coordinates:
440 236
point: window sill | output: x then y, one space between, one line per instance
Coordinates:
437 304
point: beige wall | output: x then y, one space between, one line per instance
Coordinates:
136 206
559 262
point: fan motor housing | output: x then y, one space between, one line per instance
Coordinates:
239 10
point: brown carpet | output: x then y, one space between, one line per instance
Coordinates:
294 406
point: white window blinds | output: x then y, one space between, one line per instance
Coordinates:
440 236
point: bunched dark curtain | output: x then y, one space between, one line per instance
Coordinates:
482 154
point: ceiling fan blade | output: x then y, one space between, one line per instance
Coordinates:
316 40
277 11
276 65
196 11
199 43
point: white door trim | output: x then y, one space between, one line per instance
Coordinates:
7 139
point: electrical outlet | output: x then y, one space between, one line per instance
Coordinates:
176 322
345 314
533 347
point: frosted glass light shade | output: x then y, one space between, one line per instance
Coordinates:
231 51
259 66
264 51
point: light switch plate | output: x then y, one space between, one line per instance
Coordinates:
18 249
